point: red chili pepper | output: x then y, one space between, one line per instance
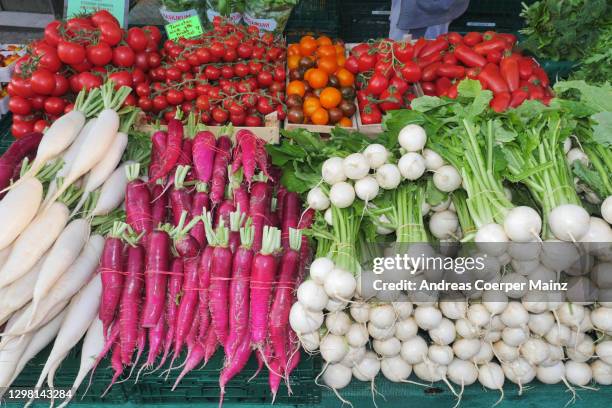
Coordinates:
518 97
472 73
430 72
449 58
491 76
526 66
494 57
472 38
442 86
541 74
429 88
468 57
500 101
454 38
433 47
495 44
536 92
430 59
489 35
418 45
509 38
452 92
450 71
509 69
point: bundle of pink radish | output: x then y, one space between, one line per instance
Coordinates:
209 258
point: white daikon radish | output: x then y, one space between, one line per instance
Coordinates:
20 292
18 208
34 241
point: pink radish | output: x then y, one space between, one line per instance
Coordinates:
175 284
204 271
171 154
180 199
111 270
219 177
200 203
258 208
117 367
241 199
193 359
290 215
184 244
283 298
263 272
158 147
137 202
130 301
159 206
234 365
203 153
16 152
155 278
156 341
188 305
236 220
219 278
210 345
239 292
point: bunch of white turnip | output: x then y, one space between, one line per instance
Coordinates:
49 255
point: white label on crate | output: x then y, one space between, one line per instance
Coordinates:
267 24
173 16
234 17
479 24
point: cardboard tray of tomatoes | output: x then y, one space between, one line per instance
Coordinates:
270 132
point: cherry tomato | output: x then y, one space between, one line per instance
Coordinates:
378 83
48 58
370 114
20 129
153 32
230 55
103 16
411 72
20 105
123 56
70 53
138 76
264 79
62 86
21 86
54 105
366 62
219 115
100 54
88 80
43 82
227 71
83 66
110 33
244 51
252 121
263 105
40 125
130 100
174 97
212 73
142 89
121 78
159 103
153 59
217 50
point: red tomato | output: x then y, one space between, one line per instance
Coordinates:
377 84
88 80
212 73
370 114
252 121
390 100
43 82
366 62
153 59
70 53
352 64
54 105
40 125
102 16
20 105
38 102
219 115
227 71
244 50
403 51
110 33
130 100
52 35
153 33
121 78
123 56
264 79
137 39
21 86
99 54
159 103
62 86
411 72
263 106
399 84
20 129
174 97
83 66
48 58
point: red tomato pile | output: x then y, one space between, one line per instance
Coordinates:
385 72
79 53
440 64
229 75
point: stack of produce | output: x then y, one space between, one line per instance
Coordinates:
321 90
385 68
81 52
231 74
49 250
455 171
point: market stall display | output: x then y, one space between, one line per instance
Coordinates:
148 212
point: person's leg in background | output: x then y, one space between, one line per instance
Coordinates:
436 30
394 32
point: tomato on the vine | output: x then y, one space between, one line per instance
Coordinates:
159 103
219 115
43 82
99 54
137 39
62 86
123 56
70 53
20 105
174 97
110 33
54 105
52 35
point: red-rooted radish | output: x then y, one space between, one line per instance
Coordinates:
223 213
158 147
236 220
137 202
258 208
274 378
130 301
203 153
200 203
175 284
180 199
219 177
156 341
263 272
281 192
171 154
188 305
210 346
239 292
220 273
193 359
204 271
290 216
118 367
234 364
185 156
184 244
17 151
241 199
159 206
156 277
111 271
283 298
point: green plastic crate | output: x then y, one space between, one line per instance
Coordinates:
363 20
313 17
482 15
5 132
